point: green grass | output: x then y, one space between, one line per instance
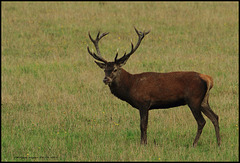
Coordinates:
54 105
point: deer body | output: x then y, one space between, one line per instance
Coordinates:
152 90
157 90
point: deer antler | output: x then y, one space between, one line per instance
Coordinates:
95 42
125 57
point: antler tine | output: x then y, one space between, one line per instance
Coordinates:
125 57
99 58
103 34
90 36
95 42
115 59
141 33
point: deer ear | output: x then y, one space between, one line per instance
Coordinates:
121 63
101 65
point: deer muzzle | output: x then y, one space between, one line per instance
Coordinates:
107 80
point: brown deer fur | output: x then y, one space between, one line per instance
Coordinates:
151 90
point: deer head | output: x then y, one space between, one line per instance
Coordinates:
113 69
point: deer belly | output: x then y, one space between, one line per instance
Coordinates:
167 104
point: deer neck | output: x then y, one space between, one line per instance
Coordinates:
121 85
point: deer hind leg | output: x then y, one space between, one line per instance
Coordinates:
206 109
200 122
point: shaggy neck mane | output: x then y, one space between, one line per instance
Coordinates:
121 85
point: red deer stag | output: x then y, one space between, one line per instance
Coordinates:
151 90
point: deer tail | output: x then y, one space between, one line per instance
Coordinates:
209 81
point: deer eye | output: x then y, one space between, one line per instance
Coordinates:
115 70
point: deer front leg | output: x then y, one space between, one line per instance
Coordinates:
143 125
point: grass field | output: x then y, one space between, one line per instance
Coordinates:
55 107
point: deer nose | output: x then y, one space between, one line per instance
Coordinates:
107 80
